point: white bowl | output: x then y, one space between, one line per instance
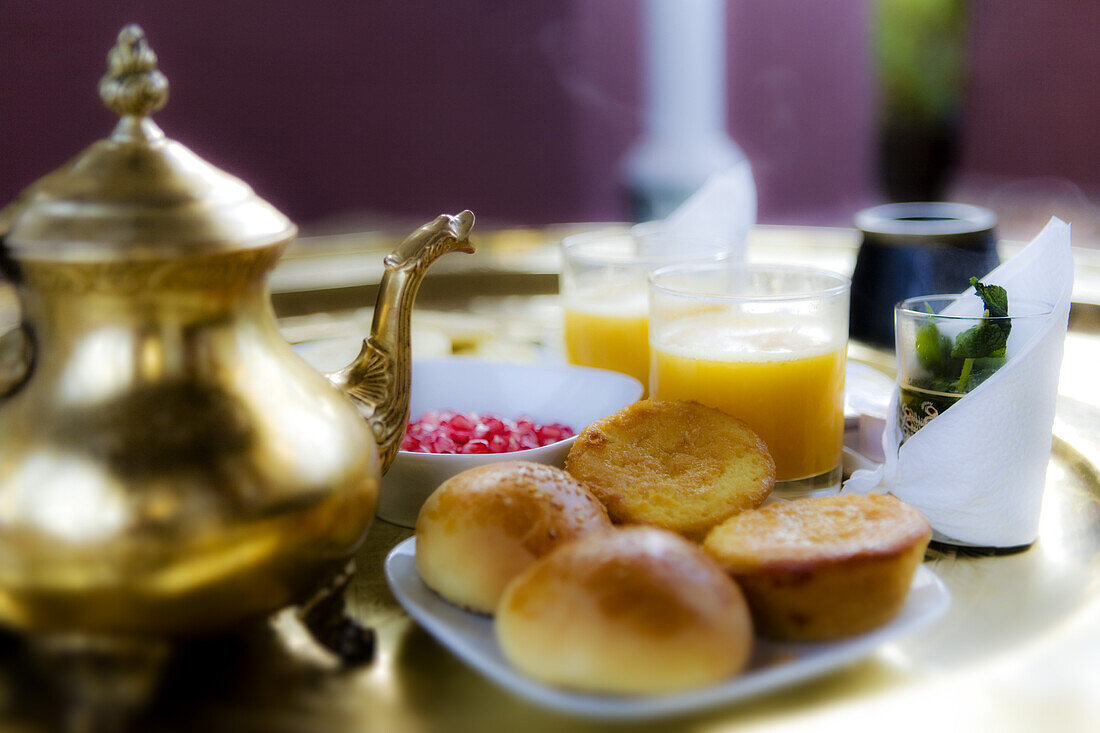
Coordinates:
572 395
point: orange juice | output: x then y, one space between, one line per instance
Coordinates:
609 334
784 379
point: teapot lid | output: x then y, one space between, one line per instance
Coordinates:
137 194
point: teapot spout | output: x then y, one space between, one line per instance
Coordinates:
378 380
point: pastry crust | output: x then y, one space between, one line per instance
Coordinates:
633 610
677 465
484 526
823 568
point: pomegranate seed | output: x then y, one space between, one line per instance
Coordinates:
550 433
439 443
478 445
461 423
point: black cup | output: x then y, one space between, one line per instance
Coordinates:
912 249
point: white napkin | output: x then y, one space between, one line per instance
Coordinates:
977 470
724 208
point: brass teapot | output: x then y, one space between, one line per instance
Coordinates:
168 464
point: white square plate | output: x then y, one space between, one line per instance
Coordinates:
471 637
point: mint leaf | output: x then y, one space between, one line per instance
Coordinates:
983 369
994 296
930 347
988 338
980 341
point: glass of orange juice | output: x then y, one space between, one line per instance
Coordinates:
603 291
765 344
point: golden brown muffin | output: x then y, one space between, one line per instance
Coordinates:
677 465
482 527
825 567
633 610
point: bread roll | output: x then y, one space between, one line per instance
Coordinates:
635 610
823 568
481 527
677 465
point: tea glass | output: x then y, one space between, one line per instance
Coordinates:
603 291
923 392
766 344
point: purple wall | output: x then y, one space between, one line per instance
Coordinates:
802 106
520 111
1033 96
406 107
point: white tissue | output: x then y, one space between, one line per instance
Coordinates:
977 470
723 208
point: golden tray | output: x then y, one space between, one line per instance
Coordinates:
1019 649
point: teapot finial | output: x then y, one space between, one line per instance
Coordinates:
132 86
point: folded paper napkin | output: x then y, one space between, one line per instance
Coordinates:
723 208
977 470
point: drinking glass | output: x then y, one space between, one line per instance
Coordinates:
766 344
603 291
929 379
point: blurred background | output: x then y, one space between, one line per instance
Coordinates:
347 114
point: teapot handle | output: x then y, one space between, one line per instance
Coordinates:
16 356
